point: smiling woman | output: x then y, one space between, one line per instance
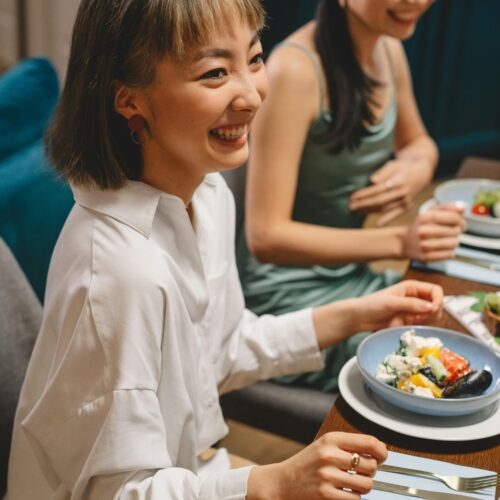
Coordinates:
213 92
136 38
144 319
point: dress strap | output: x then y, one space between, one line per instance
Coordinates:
391 64
317 66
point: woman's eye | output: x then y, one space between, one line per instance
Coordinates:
258 59
214 74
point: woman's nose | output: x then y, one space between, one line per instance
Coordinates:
251 91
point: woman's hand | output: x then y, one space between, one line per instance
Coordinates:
320 470
407 303
394 188
435 234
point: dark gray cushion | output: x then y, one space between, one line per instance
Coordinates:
20 318
293 412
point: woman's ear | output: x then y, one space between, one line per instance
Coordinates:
125 101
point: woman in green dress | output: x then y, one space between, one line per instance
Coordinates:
339 136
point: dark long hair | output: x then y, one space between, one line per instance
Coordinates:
350 90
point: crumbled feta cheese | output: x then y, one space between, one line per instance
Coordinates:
416 345
404 366
386 374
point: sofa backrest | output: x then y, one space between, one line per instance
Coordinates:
20 319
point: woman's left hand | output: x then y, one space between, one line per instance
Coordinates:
406 303
394 188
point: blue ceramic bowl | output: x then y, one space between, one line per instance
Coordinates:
464 191
372 351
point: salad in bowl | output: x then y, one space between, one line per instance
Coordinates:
424 367
430 370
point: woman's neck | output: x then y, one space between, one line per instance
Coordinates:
170 177
365 41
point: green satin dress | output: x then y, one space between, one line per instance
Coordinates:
324 186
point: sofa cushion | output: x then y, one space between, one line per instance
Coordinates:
292 412
28 94
34 204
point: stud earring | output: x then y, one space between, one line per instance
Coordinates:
136 124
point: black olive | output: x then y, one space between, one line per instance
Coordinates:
471 384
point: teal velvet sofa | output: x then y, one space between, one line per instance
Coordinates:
34 203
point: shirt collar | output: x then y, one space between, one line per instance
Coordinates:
135 204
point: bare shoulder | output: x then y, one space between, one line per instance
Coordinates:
293 65
398 56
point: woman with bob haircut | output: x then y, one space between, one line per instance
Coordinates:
339 136
144 322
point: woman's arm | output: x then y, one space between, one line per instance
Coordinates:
278 138
416 153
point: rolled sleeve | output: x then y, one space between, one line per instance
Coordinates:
269 346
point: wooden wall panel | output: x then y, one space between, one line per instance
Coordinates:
9 43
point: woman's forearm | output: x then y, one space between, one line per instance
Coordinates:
423 153
301 244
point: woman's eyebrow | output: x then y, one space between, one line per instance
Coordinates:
222 53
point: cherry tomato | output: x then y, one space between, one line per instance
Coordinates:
480 209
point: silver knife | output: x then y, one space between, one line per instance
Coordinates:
492 266
417 492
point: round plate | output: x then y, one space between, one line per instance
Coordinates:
466 238
480 425
464 191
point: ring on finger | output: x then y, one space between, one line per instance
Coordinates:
388 184
355 459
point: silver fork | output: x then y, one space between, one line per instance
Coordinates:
456 483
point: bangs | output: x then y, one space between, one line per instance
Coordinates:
190 23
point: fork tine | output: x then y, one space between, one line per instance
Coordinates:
479 486
480 480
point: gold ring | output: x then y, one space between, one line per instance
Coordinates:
355 459
388 184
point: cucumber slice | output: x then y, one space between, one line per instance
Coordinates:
439 371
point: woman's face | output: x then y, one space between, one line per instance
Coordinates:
199 110
396 18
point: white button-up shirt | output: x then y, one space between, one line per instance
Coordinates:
144 326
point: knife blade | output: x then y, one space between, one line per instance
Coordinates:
417 492
492 266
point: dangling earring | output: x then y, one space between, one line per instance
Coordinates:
136 124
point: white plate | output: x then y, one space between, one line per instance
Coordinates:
480 425
466 238
464 191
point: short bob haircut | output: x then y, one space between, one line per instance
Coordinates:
121 41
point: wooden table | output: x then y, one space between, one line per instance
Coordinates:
484 453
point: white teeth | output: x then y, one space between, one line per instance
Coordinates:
228 133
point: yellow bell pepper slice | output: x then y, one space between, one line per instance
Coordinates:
422 381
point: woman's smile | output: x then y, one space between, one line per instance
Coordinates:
230 135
